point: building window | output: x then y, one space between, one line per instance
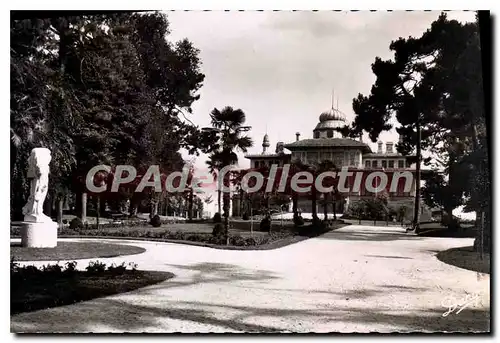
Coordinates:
352 158
408 164
256 164
374 164
329 133
316 134
367 164
384 164
401 164
391 164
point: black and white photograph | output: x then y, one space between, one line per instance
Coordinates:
257 171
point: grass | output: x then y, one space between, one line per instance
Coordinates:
243 235
72 251
46 290
466 258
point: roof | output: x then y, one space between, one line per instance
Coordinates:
330 124
328 143
266 155
385 155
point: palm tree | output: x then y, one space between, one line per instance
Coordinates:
228 123
214 166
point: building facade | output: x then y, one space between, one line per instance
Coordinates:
328 144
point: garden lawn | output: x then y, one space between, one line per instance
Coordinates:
45 290
72 251
466 258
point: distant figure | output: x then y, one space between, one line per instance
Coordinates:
38 172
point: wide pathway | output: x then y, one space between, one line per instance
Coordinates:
355 279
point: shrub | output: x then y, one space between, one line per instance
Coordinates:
217 218
198 237
117 269
218 230
237 240
156 221
52 268
245 216
392 214
401 215
275 235
263 240
250 241
70 267
298 221
96 267
76 224
265 224
15 231
178 235
219 240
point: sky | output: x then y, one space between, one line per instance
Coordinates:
281 68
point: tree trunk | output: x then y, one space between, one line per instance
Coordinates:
294 205
83 210
219 194
134 204
154 205
190 205
47 205
102 206
416 212
98 210
334 208
241 203
226 200
325 207
60 204
313 203
226 206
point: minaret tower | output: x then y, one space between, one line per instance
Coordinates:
265 143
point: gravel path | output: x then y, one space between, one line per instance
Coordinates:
355 279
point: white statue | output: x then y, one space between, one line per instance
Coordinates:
38 172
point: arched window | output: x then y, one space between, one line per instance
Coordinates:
329 133
316 134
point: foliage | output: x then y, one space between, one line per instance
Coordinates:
217 218
218 230
298 220
375 209
117 270
99 89
156 221
227 137
357 210
76 224
96 267
265 224
433 88
70 267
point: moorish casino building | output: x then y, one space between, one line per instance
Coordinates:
328 144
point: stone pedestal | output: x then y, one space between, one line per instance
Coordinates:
39 235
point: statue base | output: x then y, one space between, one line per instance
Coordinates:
39 235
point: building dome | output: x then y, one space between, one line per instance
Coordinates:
332 114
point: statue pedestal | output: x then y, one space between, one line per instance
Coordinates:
39 235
